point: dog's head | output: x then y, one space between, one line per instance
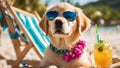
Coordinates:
64 20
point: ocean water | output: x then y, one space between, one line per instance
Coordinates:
103 30
109 28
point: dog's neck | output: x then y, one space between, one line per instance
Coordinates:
63 43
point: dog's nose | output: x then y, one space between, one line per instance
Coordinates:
58 23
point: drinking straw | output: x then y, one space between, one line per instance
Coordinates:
97 34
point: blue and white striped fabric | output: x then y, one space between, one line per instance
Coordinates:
4 27
37 36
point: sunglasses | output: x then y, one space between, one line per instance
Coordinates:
70 16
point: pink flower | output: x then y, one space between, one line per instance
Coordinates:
82 42
76 53
68 56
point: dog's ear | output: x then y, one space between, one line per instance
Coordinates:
83 21
44 24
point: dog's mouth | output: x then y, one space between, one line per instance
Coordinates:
60 32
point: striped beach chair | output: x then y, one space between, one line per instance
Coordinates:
27 23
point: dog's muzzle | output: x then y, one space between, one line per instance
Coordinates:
58 26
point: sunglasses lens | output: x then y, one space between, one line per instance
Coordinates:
51 15
70 16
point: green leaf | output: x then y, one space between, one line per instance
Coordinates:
102 42
101 45
101 48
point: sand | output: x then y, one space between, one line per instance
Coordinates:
7 53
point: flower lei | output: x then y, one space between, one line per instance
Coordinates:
74 53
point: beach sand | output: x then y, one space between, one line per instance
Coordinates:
7 53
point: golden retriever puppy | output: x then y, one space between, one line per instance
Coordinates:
64 24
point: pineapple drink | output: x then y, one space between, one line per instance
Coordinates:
103 58
102 53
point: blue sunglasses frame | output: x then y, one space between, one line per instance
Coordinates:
70 16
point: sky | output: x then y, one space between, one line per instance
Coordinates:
81 2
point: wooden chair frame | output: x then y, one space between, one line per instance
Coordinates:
20 54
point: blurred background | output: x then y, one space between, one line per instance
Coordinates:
105 13
102 12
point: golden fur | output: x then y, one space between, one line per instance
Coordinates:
0 31
74 29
